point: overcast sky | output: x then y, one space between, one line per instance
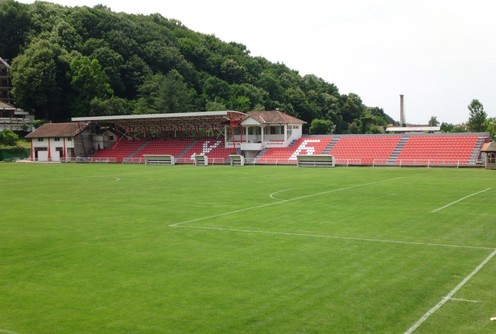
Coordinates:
440 54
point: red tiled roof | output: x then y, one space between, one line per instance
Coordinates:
274 117
52 130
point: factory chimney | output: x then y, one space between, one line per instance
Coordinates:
402 110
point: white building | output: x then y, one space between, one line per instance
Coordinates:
265 129
60 141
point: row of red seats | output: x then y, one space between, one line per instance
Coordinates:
438 148
364 149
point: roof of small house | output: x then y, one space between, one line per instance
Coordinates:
6 106
489 147
274 117
54 130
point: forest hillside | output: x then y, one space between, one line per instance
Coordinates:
81 61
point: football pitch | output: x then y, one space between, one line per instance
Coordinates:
218 249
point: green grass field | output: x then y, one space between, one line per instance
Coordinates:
183 249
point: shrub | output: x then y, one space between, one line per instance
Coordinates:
8 137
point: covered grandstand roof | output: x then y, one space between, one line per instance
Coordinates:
167 122
54 130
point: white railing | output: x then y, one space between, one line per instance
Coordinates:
89 159
275 162
426 163
133 161
348 162
286 162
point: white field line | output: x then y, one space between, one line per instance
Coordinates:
465 300
6 331
277 192
281 202
459 200
450 294
478 214
325 236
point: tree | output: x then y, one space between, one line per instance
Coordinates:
111 63
89 81
321 126
14 25
232 71
38 76
215 106
66 36
433 121
165 94
447 127
352 108
135 71
112 106
215 89
490 125
477 116
353 128
450 128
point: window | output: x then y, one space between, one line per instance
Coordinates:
253 130
40 139
57 139
69 139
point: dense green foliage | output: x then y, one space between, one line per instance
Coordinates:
490 124
11 146
8 137
88 249
91 61
321 126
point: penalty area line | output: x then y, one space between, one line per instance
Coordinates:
450 294
282 201
326 236
459 200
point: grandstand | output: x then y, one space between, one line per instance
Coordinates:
360 150
440 149
364 149
265 138
287 155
